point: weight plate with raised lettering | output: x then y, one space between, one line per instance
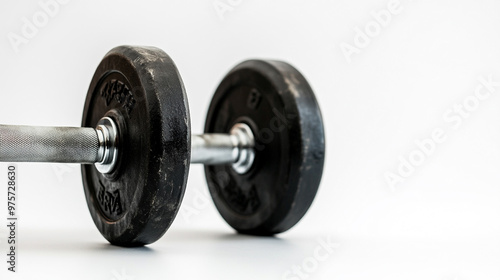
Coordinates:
276 101
142 91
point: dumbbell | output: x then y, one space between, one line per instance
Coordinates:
263 146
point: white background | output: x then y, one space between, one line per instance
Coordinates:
442 222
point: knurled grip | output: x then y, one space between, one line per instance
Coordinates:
48 144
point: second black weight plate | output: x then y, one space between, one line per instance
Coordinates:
142 91
276 101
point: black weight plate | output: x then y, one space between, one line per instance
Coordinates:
142 91
276 101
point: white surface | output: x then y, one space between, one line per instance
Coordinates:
442 222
